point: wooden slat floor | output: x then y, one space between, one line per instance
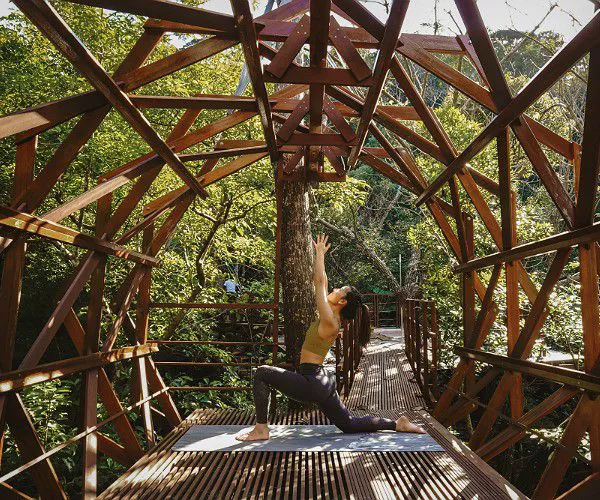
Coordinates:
382 387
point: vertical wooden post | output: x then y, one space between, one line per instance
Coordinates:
12 271
509 238
468 296
91 345
141 330
434 349
425 342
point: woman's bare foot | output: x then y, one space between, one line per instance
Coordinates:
260 432
405 425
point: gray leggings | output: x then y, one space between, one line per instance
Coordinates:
311 383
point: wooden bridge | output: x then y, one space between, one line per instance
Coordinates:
297 150
384 385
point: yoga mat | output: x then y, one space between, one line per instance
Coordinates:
302 438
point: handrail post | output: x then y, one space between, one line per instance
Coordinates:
425 348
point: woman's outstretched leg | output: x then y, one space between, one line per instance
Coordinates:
291 383
338 414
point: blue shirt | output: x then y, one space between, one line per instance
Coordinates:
231 286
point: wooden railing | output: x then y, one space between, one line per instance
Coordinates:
385 308
420 326
347 355
347 350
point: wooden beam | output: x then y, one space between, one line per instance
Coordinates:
18 379
320 76
590 157
348 51
27 223
169 11
382 65
568 55
248 39
195 102
224 153
289 50
567 376
52 25
545 245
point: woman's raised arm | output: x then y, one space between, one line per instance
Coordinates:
320 281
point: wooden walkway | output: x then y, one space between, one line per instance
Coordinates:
383 387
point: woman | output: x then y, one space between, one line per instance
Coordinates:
312 383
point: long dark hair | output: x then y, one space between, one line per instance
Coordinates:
356 310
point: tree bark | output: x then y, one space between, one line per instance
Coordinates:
298 298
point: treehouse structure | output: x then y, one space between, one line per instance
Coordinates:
317 113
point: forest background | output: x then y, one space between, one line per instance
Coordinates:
370 220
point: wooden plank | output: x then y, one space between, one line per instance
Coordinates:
382 65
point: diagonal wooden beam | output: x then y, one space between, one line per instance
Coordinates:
249 41
169 11
523 346
224 153
514 433
296 116
348 51
382 65
27 223
590 157
337 119
568 55
579 422
290 48
56 30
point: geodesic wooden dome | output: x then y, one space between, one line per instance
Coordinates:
317 113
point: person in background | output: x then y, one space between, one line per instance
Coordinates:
232 288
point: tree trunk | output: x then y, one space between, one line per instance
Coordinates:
298 296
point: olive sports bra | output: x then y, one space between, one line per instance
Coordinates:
313 343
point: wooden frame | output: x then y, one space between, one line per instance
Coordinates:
297 153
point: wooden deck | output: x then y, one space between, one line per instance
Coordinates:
382 386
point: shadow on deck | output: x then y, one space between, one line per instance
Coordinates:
383 387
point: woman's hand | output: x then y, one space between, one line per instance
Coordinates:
321 244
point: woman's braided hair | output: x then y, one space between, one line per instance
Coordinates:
356 310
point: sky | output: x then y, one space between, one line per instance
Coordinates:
519 14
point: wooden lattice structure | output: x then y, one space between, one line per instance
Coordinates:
297 152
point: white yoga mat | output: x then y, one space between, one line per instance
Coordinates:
302 438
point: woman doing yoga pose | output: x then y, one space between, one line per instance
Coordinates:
312 383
